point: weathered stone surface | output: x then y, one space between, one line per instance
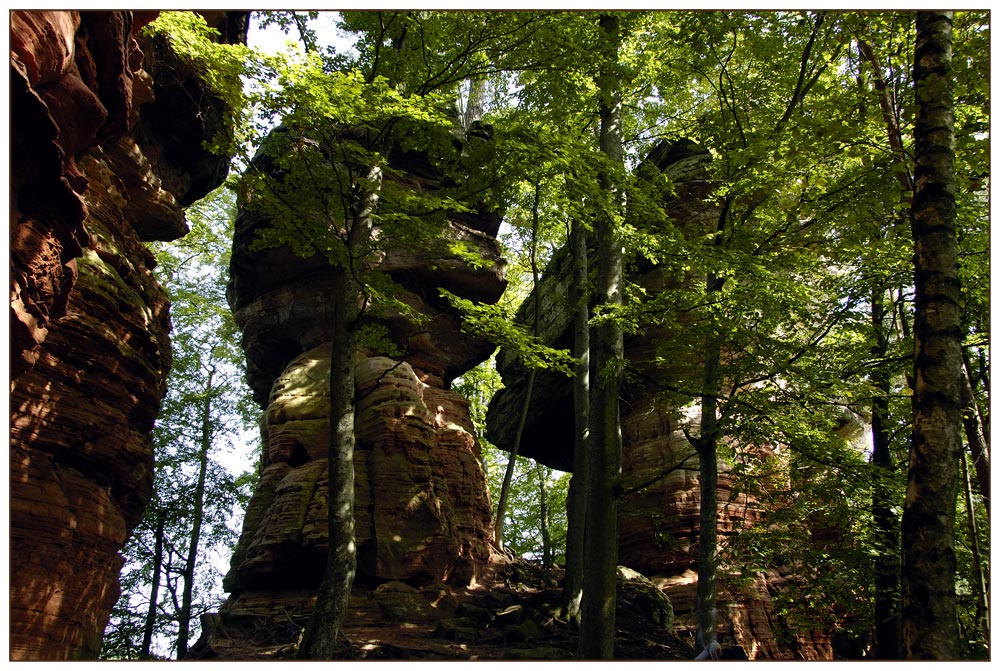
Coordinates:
89 323
551 409
422 510
511 613
422 513
187 115
281 301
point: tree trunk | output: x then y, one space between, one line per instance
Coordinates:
930 627
543 513
979 576
981 378
508 476
576 500
515 448
974 434
319 641
886 561
184 615
597 629
706 445
708 517
154 588
474 105
889 116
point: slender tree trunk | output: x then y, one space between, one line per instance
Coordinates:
319 641
974 434
982 598
576 500
184 615
887 622
708 513
508 476
889 118
154 588
597 630
930 625
708 460
474 105
981 378
887 564
543 513
515 448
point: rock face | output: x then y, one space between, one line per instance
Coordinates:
421 514
89 323
422 510
658 530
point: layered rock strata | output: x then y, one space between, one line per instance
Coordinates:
89 323
421 514
422 510
659 522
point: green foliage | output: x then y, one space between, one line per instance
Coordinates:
522 530
806 197
478 386
222 68
973 643
815 529
495 323
207 374
523 523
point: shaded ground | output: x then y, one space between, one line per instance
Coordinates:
512 614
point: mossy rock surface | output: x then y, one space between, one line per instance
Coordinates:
645 598
537 653
459 629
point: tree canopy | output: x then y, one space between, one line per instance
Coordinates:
787 282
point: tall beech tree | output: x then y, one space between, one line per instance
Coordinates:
597 625
929 609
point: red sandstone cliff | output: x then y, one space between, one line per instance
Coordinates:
94 174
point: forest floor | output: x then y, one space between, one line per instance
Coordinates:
511 613
512 616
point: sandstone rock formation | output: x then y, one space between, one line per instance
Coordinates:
421 512
658 530
422 509
91 182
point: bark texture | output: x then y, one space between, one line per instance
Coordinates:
597 630
320 638
930 625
